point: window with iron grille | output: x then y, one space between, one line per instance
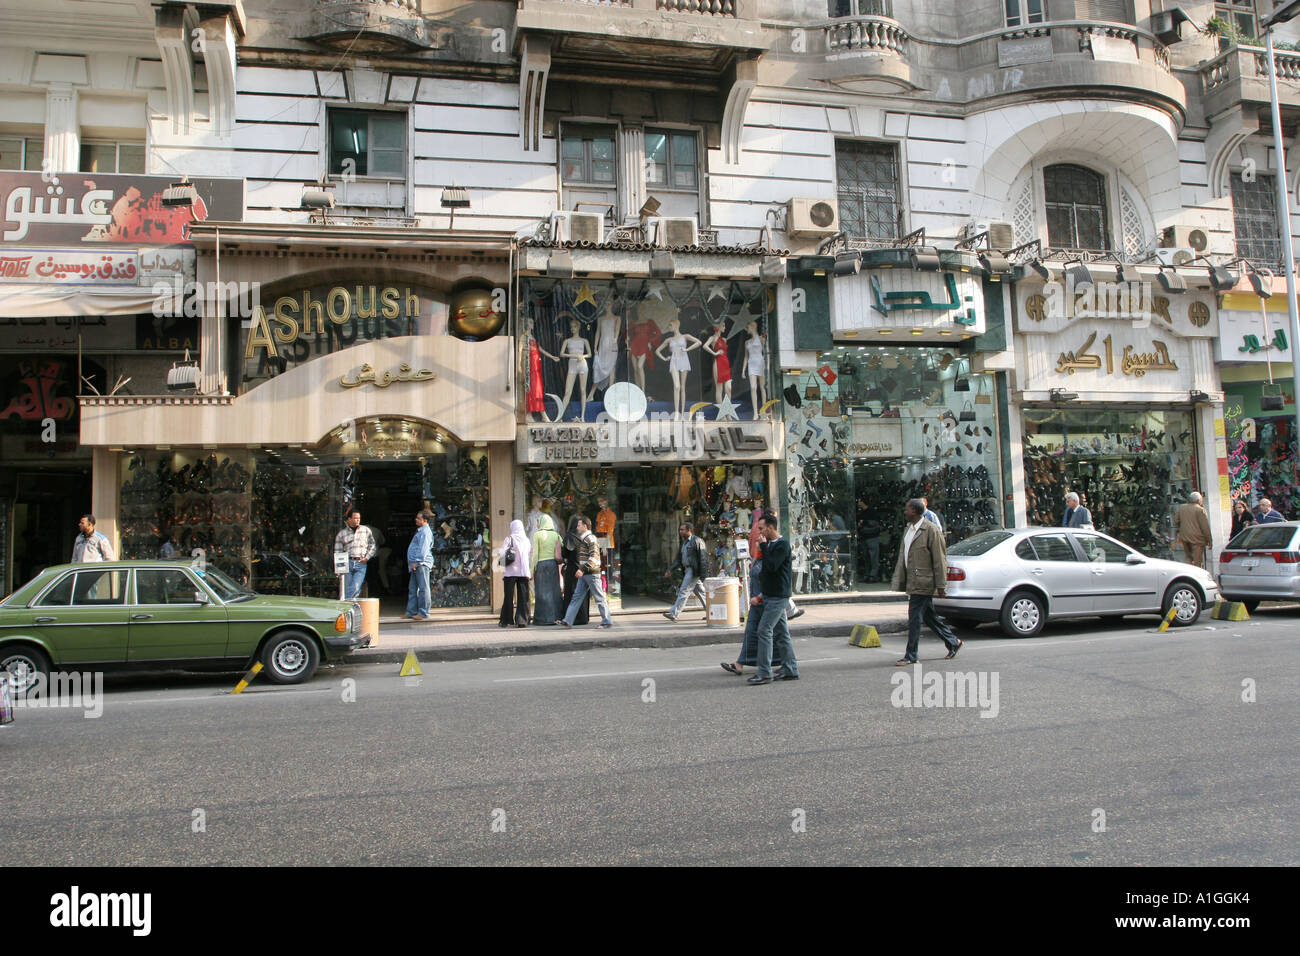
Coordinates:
1023 12
1254 219
587 155
1076 207
868 189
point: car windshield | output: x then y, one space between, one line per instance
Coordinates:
980 544
226 589
1264 537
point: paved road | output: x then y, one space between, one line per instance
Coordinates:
1151 729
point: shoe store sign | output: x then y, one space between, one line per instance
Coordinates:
1252 336
1106 357
667 441
873 438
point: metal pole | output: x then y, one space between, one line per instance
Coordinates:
1284 209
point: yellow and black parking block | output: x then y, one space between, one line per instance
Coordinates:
1229 611
864 635
410 666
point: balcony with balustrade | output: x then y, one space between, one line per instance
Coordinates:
686 39
1238 77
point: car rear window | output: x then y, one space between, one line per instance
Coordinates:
1264 538
980 543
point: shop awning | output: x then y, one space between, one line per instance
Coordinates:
45 301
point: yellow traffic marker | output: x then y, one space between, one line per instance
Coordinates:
864 635
1229 611
248 678
1169 619
410 666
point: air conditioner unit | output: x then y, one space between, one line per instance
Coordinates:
1000 234
672 232
1175 257
577 227
1190 237
812 218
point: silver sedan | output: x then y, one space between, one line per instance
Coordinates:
1024 577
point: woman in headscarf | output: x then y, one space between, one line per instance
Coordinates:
546 571
516 557
569 570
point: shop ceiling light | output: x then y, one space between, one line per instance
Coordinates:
1060 395
847 263
772 269
662 264
1222 278
1171 281
925 259
560 264
1079 273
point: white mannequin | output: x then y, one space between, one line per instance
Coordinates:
577 350
608 327
716 345
679 366
756 367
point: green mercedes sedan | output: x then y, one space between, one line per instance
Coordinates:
133 615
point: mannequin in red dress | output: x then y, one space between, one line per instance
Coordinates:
644 337
716 346
535 400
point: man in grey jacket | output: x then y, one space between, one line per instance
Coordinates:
691 560
1076 515
922 571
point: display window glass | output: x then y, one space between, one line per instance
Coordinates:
646 506
1262 456
868 429
1132 468
645 348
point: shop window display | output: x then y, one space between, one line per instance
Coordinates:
1261 453
867 429
692 348
1131 468
645 506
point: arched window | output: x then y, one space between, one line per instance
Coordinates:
1076 207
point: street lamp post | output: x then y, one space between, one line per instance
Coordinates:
1283 15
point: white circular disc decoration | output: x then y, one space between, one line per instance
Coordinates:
624 402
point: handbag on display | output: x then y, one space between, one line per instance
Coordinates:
980 397
967 412
827 374
812 392
831 407
792 396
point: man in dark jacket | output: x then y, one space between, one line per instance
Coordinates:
690 558
922 571
774 582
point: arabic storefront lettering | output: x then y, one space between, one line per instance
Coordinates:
1253 345
56 266
641 441
1131 362
366 375
40 391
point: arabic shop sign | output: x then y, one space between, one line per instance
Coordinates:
873 438
37 390
646 441
73 208
1252 337
924 303
1129 362
334 317
366 375
1059 305
70 266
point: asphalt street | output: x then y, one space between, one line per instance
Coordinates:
1106 744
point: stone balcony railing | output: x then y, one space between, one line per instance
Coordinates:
1240 75
866 35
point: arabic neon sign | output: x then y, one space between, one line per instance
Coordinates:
62 266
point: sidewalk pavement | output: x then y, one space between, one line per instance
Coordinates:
481 637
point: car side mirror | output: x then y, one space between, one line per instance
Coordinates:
1135 559
201 597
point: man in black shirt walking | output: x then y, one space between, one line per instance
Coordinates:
774 583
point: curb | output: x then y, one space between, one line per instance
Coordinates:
699 638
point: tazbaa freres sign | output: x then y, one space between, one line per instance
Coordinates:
666 441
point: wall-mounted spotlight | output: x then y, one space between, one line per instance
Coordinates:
995 264
1060 395
925 259
847 263
772 269
1261 280
1078 272
560 264
1171 281
1199 397
1127 272
1222 278
662 264
179 194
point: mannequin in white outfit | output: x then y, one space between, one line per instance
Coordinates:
608 328
679 366
756 367
576 349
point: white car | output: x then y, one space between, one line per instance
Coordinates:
1025 577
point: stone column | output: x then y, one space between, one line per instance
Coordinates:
103 496
62 131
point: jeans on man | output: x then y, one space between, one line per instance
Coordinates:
749 646
873 558
355 578
689 583
772 628
418 598
920 607
588 583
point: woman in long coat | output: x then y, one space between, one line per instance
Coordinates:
546 571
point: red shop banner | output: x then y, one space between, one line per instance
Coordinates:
72 208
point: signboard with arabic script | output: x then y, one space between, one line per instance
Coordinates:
69 209
577 443
70 266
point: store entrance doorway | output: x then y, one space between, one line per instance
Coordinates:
388 497
47 506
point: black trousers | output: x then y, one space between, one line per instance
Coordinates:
515 604
920 608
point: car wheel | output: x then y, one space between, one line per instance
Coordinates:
290 657
23 664
1249 605
1183 596
1023 614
